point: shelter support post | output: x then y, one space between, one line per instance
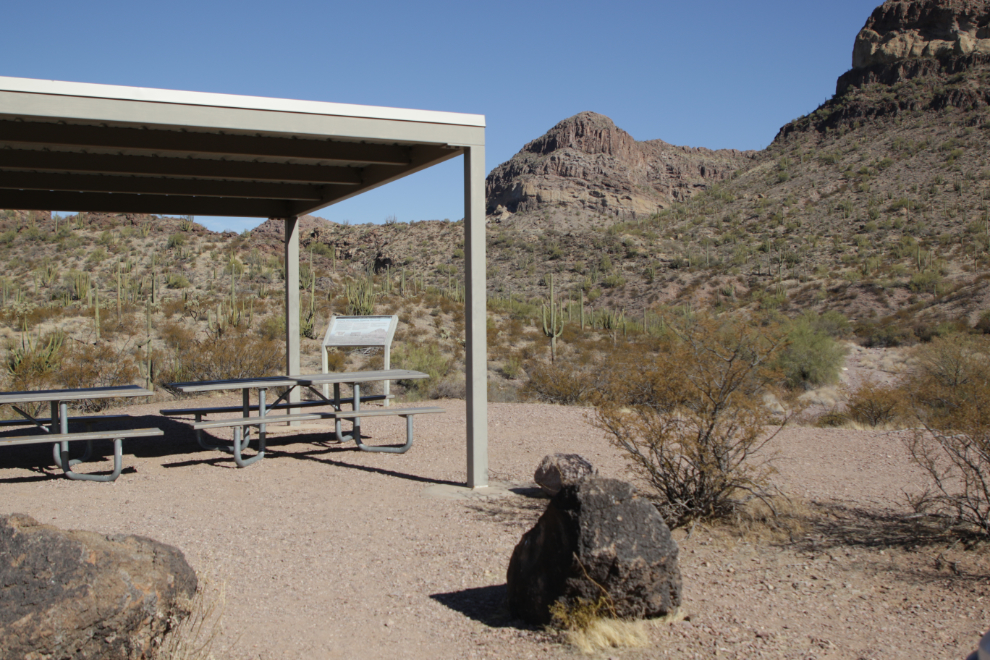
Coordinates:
476 311
292 363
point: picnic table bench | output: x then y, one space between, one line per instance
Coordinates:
241 425
57 431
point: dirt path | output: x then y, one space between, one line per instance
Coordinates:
327 552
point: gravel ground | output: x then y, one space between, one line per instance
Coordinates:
328 552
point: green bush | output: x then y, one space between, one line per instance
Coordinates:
812 357
427 358
831 322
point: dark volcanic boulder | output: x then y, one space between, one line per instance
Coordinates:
594 535
76 594
558 470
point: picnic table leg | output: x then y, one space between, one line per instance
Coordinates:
336 406
60 450
203 443
391 450
246 405
356 427
261 413
238 448
117 462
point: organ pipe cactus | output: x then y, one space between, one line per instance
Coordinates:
554 325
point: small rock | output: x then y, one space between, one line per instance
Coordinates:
558 470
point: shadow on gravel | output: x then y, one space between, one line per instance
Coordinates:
178 439
844 526
485 605
908 548
515 512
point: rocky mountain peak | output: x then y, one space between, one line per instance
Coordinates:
588 132
903 29
586 166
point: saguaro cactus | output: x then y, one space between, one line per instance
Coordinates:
553 326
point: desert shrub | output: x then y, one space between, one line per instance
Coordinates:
336 360
176 335
983 324
100 365
559 383
832 322
273 327
177 281
512 366
875 404
831 418
226 352
694 419
811 357
173 306
950 396
447 388
35 363
886 334
925 281
426 357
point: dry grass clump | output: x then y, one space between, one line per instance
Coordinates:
194 637
591 626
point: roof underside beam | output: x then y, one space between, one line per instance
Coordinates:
20 134
13 180
373 176
152 204
200 168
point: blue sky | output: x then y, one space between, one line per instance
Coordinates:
717 74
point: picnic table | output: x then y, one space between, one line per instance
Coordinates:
310 382
56 427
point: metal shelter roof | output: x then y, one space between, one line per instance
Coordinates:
99 148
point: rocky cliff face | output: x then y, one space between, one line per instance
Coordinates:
899 30
589 165
911 57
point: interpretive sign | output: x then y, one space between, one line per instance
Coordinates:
360 332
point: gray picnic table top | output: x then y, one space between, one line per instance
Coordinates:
301 379
74 394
